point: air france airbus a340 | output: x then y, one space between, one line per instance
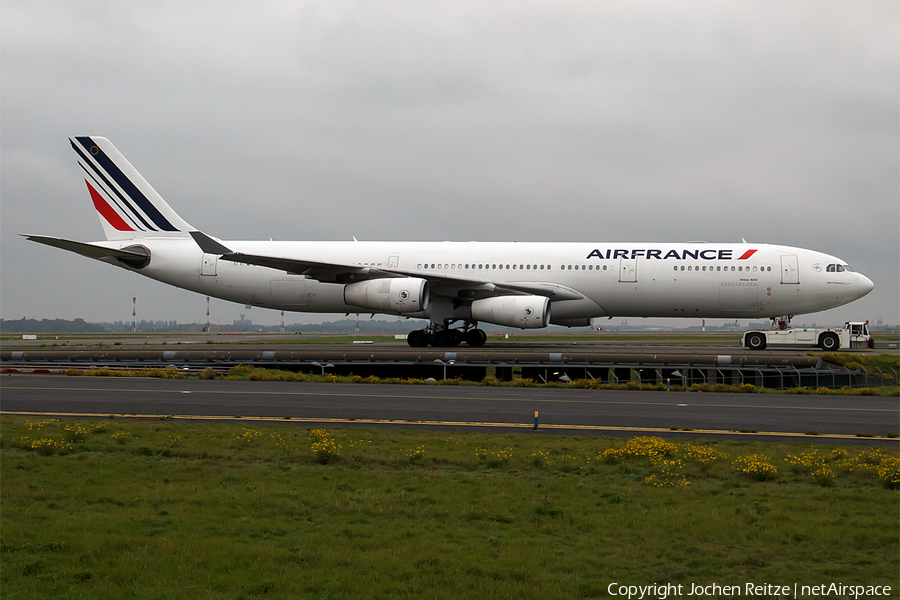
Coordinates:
455 286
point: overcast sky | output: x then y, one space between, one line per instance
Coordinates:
598 121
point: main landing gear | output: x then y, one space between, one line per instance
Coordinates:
446 337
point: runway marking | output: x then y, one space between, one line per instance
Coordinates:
335 421
477 398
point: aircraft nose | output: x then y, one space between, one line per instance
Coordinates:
864 285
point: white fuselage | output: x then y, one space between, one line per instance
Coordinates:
705 280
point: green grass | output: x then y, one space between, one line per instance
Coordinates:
885 364
168 509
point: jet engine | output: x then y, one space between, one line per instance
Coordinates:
524 312
396 295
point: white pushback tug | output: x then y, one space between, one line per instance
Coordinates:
854 334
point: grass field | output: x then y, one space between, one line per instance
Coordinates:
167 509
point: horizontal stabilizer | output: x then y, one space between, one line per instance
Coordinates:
136 256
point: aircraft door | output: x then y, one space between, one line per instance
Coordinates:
393 262
628 270
789 270
208 266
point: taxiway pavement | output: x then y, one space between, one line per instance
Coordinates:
571 411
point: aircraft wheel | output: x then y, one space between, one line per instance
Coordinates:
442 339
476 338
756 341
829 342
446 338
417 338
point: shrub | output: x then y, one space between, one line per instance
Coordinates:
889 472
824 477
46 446
120 437
246 437
755 467
652 447
539 458
76 433
669 475
416 454
703 454
324 446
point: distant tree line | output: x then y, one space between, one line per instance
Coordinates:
24 325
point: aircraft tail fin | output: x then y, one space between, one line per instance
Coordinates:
128 206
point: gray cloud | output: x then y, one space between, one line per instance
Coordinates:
528 121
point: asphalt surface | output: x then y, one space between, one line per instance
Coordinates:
771 417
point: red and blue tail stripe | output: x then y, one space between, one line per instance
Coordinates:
112 187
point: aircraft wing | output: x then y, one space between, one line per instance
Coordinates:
443 285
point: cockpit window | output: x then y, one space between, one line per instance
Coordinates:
838 268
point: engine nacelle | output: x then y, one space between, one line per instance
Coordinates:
396 295
524 312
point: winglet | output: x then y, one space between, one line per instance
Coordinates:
209 245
